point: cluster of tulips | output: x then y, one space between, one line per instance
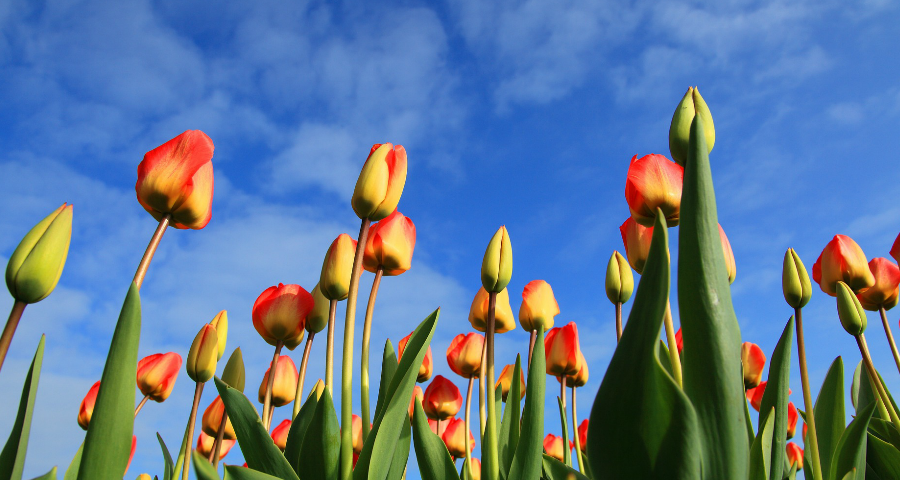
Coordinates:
677 408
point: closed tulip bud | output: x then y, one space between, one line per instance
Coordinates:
356 426
562 351
792 417
680 129
380 182
334 282
417 394
234 374
579 379
427 366
538 307
212 418
619 279
504 381
729 256
205 445
390 245
87 406
504 320
442 399
654 182
284 388
204 353
280 434
554 446
317 389
220 321
851 313
842 260
754 395
279 314
318 317
464 354
795 280
496 268
454 438
636 239
176 178
884 293
794 455
157 373
582 434
753 360
37 263
679 341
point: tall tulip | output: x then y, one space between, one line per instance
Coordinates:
316 321
156 375
883 296
455 438
427 365
280 434
619 286
503 315
842 260
539 308
753 360
200 366
504 381
654 182
205 445
563 351
212 418
636 239
792 417
86 410
284 387
334 281
555 446
442 399
729 256
794 455
464 354
680 129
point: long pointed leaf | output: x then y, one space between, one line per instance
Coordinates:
509 427
401 453
830 415
388 368
203 468
776 396
556 470
51 475
761 450
527 462
298 431
851 448
12 459
168 467
322 444
242 473
431 453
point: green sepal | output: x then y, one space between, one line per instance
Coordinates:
12 458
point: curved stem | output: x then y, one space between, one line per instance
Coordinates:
217 445
489 445
298 398
618 322
674 356
364 370
531 347
329 349
151 249
140 405
579 455
482 375
267 404
890 336
876 380
468 440
190 431
812 440
10 329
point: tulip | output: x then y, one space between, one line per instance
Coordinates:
317 389
234 374
792 420
842 260
156 375
437 427
679 342
380 182
334 282
176 178
619 280
554 446
427 366
442 399
505 382
503 316
220 321
884 293
37 262
680 128
539 306
390 245
464 354
582 434
753 361
317 319
496 268
794 455
729 256
202 357
131 455
280 434
579 379
476 469
755 395
87 406
356 426
144 476
795 280
654 182
454 438
417 394
279 314
562 351
284 387
212 418
636 238
205 445
895 249
850 312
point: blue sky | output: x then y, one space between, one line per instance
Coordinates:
523 113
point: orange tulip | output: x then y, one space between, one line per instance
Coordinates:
636 238
476 469
792 417
356 426
842 260
380 182
454 438
504 320
87 406
212 418
177 178
433 425
280 314
554 446
505 382
579 379
539 306
753 361
887 286
679 342
895 249
562 350
654 182
390 245
205 445
794 455
427 365
729 255
464 354
280 434
582 434
442 399
334 281
755 395
284 388
156 375
417 393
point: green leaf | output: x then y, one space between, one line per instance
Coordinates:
12 458
72 471
401 453
851 448
431 453
107 445
830 415
556 470
882 458
385 432
776 396
169 467
257 446
322 444
851 475
527 460
298 431
712 339
233 472
664 358
751 436
388 367
761 450
51 475
509 427
203 468
567 454
642 424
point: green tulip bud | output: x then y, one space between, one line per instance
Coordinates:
202 358
37 263
317 319
795 280
619 279
220 321
680 129
234 374
496 269
850 311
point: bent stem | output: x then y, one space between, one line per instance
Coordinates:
10 329
151 249
890 336
489 445
578 453
347 365
364 370
876 380
140 405
674 357
189 436
267 404
217 445
618 322
468 464
298 398
812 439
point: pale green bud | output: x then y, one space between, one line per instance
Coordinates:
202 358
680 129
496 268
795 280
234 375
619 279
37 263
850 311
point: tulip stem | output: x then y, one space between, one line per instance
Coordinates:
567 454
267 404
140 405
190 431
347 364
298 398
482 375
618 321
489 444
364 370
217 445
876 380
151 249
329 348
674 356
811 439
531 348
468 464
890 336
10 329
575 431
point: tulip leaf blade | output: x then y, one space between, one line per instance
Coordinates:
169 466
527 460
656 432
203 468
882 458
321 447
51 475
298 430
107 445
829 414
12 458
776 396
233 472
567 453
509 426
555 470
761 450
851 448
401 453
432 455
74 465
388 368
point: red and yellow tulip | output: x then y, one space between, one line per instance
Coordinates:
427 366
539 306
442 399
454 438
842 260
156 375
279 314
636 239
464 354
284 387
563 351
753 361
86 410
334 281
505 381
380 183
280 434
212 418
654 182
503 315
884 293
390 245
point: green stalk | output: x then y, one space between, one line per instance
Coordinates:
876 380
489 445
298 398
890 336
467 463
674 356
364 370
267 403
329 349
578 452
189 436
812 440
